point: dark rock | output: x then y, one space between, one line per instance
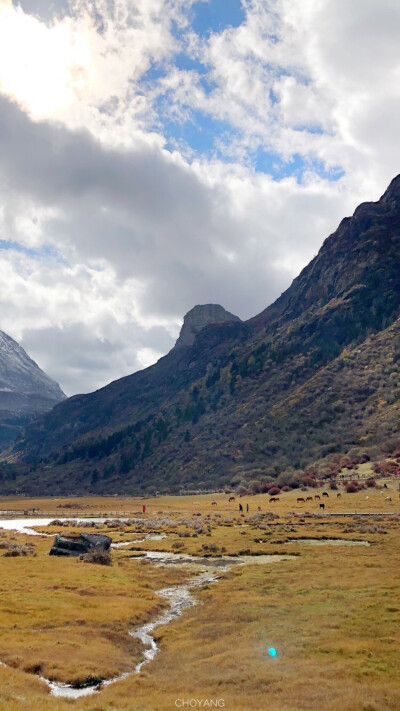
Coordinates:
80 545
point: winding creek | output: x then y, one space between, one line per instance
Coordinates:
179 597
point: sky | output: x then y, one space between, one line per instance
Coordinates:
158 154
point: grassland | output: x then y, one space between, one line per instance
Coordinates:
331 612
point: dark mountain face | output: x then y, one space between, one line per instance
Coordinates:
25 390
363 255
313 374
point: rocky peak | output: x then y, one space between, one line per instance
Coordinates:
392 193
21 377
200 316
25 390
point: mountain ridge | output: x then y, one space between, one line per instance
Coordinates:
211 409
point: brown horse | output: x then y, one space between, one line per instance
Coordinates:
300 500
325 493
317 497
214 503
231 498
309 498
274 498
339 496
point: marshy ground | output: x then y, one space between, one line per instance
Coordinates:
330 610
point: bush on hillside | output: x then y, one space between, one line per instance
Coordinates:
274 491
351 489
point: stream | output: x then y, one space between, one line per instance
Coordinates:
179 597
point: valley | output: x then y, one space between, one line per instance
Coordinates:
329 610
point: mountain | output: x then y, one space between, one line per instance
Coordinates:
25 390
314 375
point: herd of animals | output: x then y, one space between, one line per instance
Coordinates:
300 500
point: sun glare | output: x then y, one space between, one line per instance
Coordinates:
42 67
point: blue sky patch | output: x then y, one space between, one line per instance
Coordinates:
272 164
38 253
155 72
200 133
185 63
216 16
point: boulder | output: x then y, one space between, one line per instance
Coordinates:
79 545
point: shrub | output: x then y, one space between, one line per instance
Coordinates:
351 488
97 556
333 485
15 549
308 481
242 490
254 486
274 491
370 482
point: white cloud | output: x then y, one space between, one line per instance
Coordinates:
119 237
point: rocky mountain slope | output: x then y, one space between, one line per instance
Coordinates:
316 373
25 390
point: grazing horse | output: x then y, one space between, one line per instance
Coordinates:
317 496
322 506
274 498
325 493
339 496
388 498
213 503
309 498
231 498
299 501
259 508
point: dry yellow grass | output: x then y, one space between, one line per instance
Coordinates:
69 620
332 613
